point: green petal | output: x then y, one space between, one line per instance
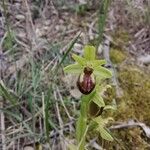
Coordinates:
97 63
79 59
97 99
101 121
74 68
110 107
105 134
102 72
89 52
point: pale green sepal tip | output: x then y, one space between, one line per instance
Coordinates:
110 107
97 63
101 127
102 72
79 59
74 68
105 134
89 52
97 99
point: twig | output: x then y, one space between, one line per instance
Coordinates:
63 104
132 123
60 120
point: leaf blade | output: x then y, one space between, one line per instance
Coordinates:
8 94
67 52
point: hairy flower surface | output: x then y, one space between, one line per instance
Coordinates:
86 81
89 70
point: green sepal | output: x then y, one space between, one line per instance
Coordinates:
112 107
97 63
74 68
97 99
105 134
102 72
79 59
89 52
101 123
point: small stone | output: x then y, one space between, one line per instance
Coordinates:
28 148
20 17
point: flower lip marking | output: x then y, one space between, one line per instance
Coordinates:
86 81
88 70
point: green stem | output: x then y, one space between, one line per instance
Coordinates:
82 141
82 127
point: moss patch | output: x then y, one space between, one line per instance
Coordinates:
121 37
134 104
136 99
117 55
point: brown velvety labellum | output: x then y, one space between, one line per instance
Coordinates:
86 81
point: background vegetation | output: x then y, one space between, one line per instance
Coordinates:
39 103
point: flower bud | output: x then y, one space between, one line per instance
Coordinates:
95 110
86 81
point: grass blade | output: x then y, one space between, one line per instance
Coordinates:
67 52
102 18
8 94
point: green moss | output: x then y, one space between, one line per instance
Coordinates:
134 104
117 55
136 99
128 139
121 37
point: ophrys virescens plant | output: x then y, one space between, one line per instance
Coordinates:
91 73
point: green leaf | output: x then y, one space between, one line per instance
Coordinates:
102 72
97 99
74 68
67 52
18 118
7 93
89 52
79 59
97 63
105 134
